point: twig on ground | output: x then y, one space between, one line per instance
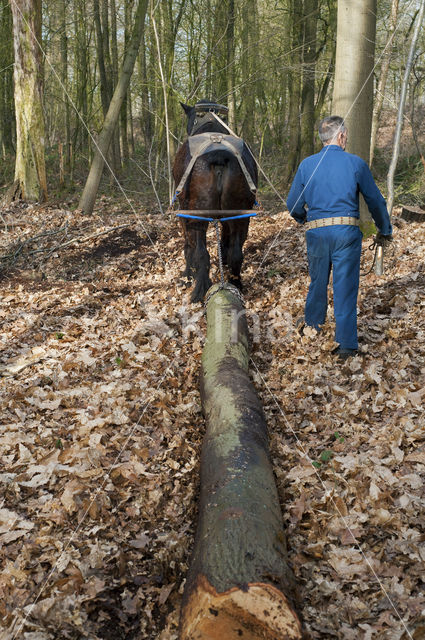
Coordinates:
31 240
59 246
80 240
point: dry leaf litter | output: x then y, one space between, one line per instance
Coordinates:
101 428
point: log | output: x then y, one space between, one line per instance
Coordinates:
238 583
413 214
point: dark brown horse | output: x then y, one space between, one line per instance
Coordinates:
216 181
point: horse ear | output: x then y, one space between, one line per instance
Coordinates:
187 108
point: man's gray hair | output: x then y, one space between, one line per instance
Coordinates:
330 127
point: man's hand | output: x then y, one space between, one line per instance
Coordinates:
382 239
301 218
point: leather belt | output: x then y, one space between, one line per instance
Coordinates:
329 222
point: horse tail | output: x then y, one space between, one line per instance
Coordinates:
219 170
219 161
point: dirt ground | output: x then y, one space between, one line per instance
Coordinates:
101 428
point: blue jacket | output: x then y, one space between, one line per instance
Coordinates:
328 184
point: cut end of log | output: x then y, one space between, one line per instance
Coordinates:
256 612
413 214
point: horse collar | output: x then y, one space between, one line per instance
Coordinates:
201 120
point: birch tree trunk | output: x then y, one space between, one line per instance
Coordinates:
239 579
91 187
386 59
30 171
399 125
353 87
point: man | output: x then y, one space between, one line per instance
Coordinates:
325 197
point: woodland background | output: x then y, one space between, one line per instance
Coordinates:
271 62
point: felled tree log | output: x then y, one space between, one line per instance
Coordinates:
413 214
239 581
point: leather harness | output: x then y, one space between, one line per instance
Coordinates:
202 143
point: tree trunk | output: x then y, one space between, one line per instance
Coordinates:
238 575
248 69
209 41
64 80
399 124
386 58
294 86
7 114
116 153
104 90
165 98
231 103
90 190
80 139
30 171
146 120
311 9
353 86
127 100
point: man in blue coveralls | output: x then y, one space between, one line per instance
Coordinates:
324 197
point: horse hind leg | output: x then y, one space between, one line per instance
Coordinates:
237 235
189 250
189 270
201 260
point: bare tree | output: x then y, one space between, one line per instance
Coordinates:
399 125
386 59
90 190
353 87
30 172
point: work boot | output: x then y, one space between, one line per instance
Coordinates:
343 354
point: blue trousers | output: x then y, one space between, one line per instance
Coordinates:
338 248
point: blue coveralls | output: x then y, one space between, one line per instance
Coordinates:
327 184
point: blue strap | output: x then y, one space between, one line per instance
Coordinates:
244 215
182 215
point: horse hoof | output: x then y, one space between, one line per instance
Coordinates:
200 290
196 297
236 282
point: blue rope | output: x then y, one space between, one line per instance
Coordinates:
245 215
181 215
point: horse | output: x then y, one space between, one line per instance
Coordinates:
218 180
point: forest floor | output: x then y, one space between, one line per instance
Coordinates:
101 428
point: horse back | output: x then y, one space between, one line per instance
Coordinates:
216 179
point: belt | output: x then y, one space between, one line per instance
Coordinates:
329 222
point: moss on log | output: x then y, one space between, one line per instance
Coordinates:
238 581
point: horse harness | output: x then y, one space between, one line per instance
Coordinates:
202 143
